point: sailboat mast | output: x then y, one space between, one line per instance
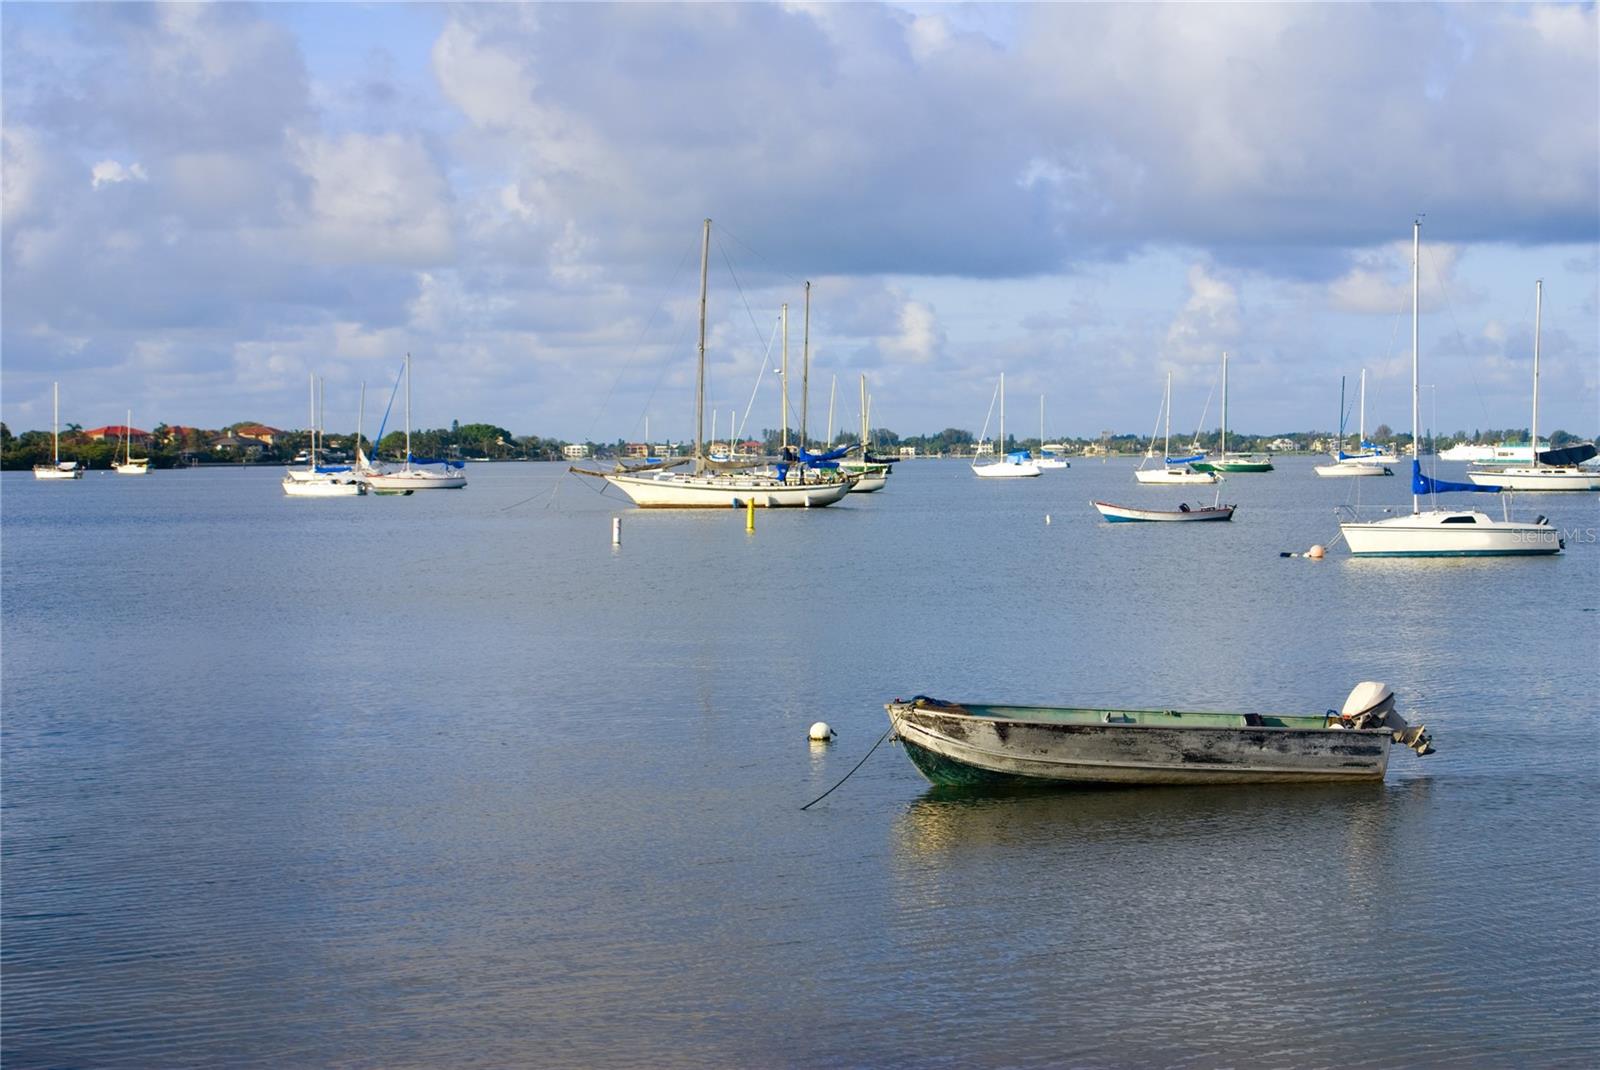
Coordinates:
805 368
1002 416
1361 443
863 416
1416 305
127 436
1341 420
1041 425
1533 432
311 415
1224 405
322 416
783 405
360 415
55 420
1166 448
833 388
408 412
700 382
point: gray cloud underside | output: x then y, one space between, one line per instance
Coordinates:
518 208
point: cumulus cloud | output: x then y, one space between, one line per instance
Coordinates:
1208 322
107 172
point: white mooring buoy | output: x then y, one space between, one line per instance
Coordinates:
1316 552
820 732
616 531
1047 518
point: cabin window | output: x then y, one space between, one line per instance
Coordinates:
1459 520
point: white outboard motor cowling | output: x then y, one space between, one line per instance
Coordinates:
1371 705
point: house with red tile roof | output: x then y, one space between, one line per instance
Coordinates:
259 432
118 432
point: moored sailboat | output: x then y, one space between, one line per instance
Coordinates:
1171 471
1442 532
711 484
1013 465
1364 463
315 481
1563 470
1225 461
130 465
415 473
57 468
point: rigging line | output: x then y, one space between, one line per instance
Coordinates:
852 772
739 286
616 379
765 359
730 232
532 497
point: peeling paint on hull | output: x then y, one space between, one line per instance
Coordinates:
951 746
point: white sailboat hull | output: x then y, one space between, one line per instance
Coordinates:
1005 470
55 471
322 487
414 479
673 491
1571 478
869 482
1340 469
1166 476
131 468
1051 462
1449 533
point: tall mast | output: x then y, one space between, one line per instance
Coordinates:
700 384
1533 432
1361 443
1002 415
1166 449
322 416
1416 292
863 416
55 419
1224 405
1041 425
127 434
833 388
311 452
360 415
408 412
783 405
805 368
1341 418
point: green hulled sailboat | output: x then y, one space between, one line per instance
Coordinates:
1230 462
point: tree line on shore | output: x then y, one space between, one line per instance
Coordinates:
170 447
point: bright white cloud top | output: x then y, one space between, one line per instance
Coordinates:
203 201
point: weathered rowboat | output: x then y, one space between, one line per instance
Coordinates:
1122 514
966 745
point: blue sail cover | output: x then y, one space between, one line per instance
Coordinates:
1186 460
1018 457
816 460
329 469
436 460
1421 484
1568 455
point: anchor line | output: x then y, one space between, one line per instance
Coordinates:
848 775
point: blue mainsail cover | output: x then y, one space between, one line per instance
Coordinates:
1568 454
436 460
329 469
1186 460
1421 484
816 459
1018 457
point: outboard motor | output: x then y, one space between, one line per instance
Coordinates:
1371 705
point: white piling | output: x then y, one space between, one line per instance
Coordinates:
616 531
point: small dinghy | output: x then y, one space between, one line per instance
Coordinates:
1122 514
967 745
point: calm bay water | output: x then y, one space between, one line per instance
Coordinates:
448 780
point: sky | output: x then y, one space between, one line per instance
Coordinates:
206 204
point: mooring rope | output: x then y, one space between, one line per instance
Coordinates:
848 775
